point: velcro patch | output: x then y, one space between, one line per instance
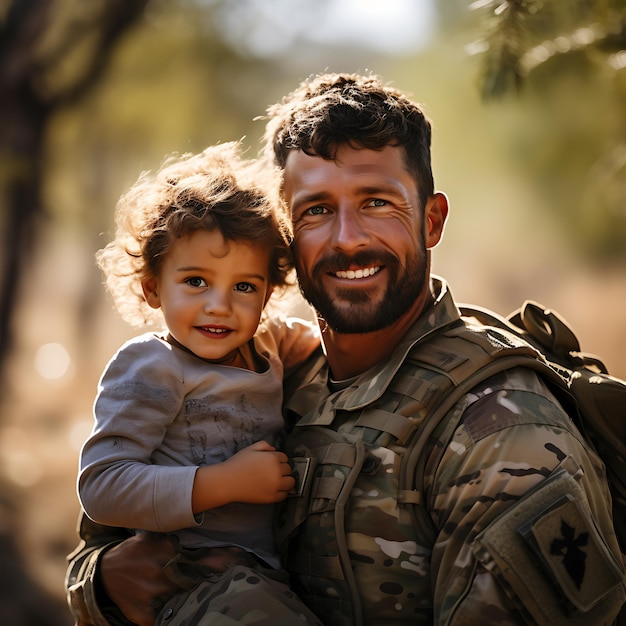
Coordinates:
569 545
548 555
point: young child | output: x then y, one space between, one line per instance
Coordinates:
187 421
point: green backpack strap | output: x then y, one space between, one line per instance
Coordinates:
548 331
490 349
547 328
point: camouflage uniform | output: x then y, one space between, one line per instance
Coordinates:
244 594
358 552
238 589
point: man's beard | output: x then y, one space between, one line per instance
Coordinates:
404 286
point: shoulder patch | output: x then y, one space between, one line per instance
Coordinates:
547 549
576 558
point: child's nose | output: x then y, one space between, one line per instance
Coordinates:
217 303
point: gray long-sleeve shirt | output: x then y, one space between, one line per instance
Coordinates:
161 412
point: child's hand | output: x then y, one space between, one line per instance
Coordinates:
260 474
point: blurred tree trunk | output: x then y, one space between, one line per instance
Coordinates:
52 54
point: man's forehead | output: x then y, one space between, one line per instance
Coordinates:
301 167
346 155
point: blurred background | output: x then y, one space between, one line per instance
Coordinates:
528 103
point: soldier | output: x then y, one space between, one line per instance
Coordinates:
512 522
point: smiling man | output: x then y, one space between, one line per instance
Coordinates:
364 545
502 515
361 245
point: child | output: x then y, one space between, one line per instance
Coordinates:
187 421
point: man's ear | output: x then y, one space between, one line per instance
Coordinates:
150 293
435 215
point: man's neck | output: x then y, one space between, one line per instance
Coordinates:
351 355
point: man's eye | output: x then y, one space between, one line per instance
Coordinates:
195 281
316 210
245 287
378 202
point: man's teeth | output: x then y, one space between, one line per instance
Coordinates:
368 271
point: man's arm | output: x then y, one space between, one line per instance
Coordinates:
115 575
80 579
499 472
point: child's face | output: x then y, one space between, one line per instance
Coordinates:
211 293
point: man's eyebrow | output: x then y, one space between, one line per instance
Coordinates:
369 189
383 187
306 197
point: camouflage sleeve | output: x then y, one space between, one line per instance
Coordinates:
513 437
80 580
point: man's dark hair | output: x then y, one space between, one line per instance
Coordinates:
330 110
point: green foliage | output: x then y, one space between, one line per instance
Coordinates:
520 35
568 60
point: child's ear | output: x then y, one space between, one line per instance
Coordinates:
150 293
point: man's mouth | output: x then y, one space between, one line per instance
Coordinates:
360 273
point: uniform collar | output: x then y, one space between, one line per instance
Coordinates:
370 385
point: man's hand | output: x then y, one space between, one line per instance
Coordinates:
132 576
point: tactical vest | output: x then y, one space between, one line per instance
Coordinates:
387 443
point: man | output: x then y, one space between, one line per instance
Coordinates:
361 545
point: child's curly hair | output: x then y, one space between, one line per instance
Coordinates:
214 190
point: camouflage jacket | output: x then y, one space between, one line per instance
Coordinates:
495 467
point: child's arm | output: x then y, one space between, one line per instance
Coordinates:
139 395
292 339
258 474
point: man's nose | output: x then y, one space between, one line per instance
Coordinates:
349 230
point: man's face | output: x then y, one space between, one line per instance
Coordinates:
359 236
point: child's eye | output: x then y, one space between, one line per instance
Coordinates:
245 287
196 281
